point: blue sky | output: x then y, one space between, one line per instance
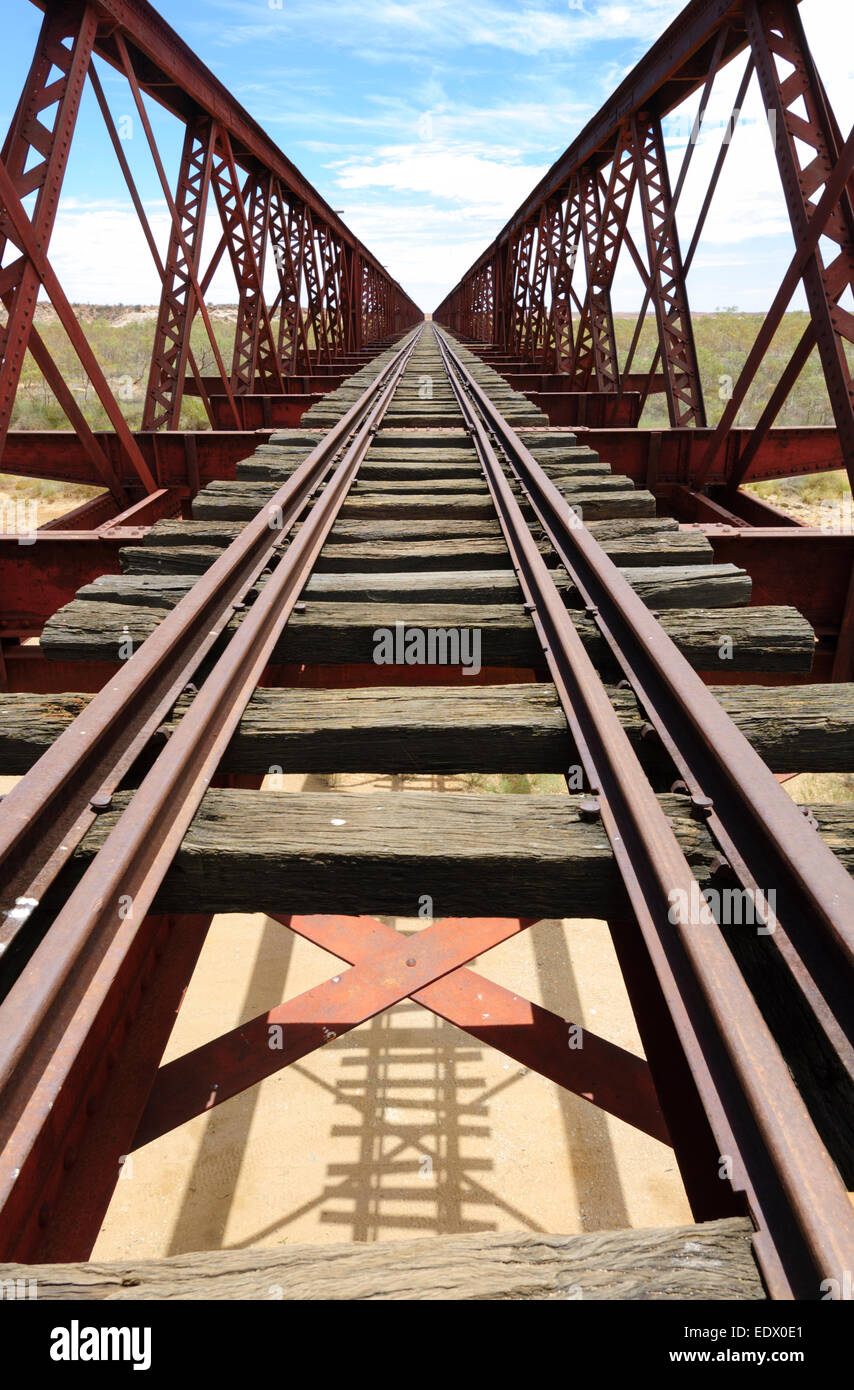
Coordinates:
427 123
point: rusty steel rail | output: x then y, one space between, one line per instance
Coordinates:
68 977
727 1097
804 1220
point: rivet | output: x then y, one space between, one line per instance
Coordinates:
411 960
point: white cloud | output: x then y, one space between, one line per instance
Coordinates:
101 256
385 29
458 175
430 162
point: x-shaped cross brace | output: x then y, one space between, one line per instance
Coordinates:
386 967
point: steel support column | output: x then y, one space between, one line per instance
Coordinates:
178 300
675 330
807 149
246 237
44 93
603 227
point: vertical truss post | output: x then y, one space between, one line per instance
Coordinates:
594 356
480 327
535 318
365 298
178 299
50 144
564 267
518 269
510 260
603 227
352 297
499 296
387 321
807 149
553 321
489 303
254 328
331 257
246 236
288 234
318 349
669 293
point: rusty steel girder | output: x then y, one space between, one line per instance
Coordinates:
531 319
603 227
807 148
253 184
670 298
163 397
43 94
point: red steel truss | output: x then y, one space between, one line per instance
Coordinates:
334 298
538 299
558 339
334 305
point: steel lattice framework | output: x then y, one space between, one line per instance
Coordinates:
335 299
96 955
313 303
522 296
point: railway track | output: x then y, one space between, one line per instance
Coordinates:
493 600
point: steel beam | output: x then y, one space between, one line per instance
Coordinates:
669 294
165 390
603 223
64 46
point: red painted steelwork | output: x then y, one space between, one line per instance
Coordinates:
262 199
517 298
429 968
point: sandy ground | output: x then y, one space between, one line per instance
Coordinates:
404 1127
21 509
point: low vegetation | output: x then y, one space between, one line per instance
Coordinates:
122 337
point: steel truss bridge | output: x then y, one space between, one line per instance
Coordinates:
248 564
